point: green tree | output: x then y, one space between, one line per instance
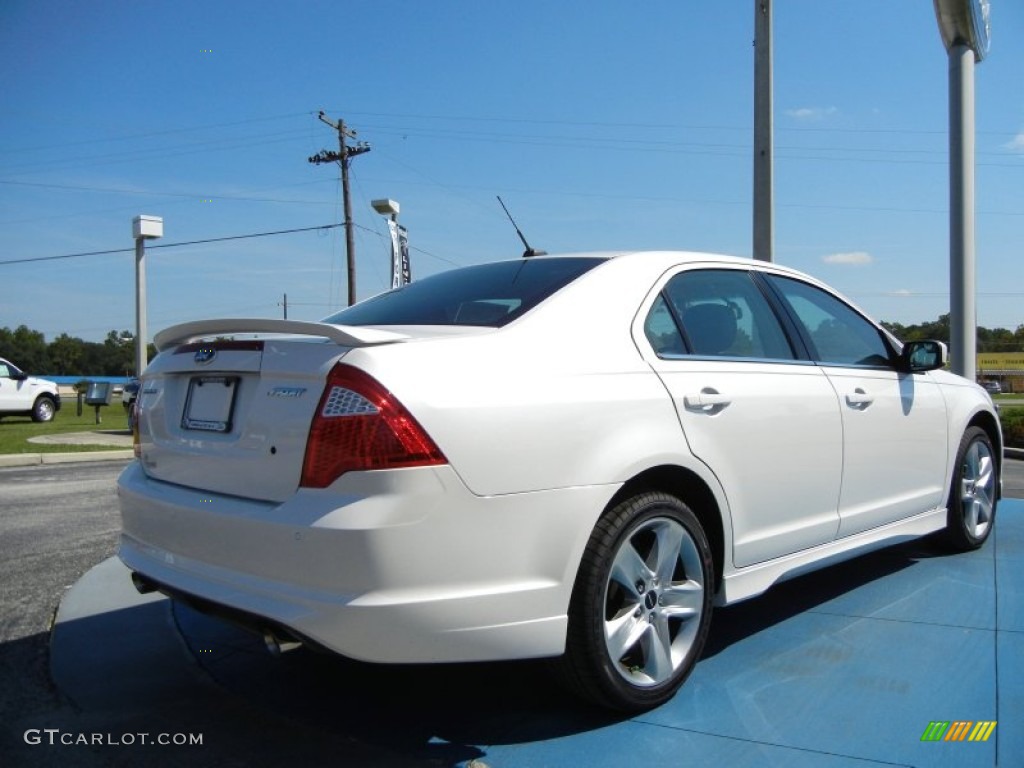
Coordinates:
118 353
66 355
26 349
989 340
7 350
996 340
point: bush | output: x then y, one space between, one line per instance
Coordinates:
1013 426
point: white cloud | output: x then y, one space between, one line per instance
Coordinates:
900 292
853 257
1016 144
812 113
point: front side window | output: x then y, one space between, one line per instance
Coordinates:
836 332
716 313
485 295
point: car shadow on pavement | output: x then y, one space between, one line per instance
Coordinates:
427 711
444 709
159 652
807 592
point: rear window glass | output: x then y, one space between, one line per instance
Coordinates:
487 295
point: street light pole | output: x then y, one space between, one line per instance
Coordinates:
963 313
143 228
964 26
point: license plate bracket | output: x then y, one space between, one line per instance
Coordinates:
210 404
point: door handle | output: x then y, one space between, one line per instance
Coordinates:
859 399
708 400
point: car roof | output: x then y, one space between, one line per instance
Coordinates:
666 259
648 263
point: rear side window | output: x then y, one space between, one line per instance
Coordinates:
716 313
485 295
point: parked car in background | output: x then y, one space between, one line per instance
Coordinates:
24 395
992 387
129 394
573 457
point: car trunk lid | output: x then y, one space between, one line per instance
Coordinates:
226 408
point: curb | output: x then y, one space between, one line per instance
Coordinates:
33 459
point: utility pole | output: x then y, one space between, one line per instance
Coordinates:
764 204
285 306
342 157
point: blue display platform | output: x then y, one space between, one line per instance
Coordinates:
844 667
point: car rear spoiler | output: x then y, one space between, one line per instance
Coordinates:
343 335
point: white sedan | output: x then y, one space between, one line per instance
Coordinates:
572 457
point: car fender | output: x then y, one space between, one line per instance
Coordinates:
972 406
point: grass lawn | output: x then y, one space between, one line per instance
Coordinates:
16 430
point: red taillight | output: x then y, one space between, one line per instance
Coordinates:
360 425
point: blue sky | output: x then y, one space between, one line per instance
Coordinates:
602 125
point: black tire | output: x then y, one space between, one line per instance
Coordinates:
44 408
973 493
641 605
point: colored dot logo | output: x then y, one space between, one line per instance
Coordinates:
206 50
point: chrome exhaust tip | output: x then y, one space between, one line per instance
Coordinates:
142 585
278 645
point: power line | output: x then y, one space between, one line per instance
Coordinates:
708 149
158 193
411 247
658 126
170 245
135 155
149 134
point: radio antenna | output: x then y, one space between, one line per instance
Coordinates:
529 251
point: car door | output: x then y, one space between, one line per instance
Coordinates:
894 423
766 423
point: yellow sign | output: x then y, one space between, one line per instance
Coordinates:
1002 360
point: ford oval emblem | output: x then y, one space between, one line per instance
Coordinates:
205 355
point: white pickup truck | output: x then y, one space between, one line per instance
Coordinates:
23 395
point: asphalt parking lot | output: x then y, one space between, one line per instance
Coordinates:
845 667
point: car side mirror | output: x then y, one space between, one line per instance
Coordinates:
19 376
921 356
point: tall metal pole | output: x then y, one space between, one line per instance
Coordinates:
764 204
140 306
965 29
963 317
143 228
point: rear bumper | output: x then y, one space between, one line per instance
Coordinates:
398 566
